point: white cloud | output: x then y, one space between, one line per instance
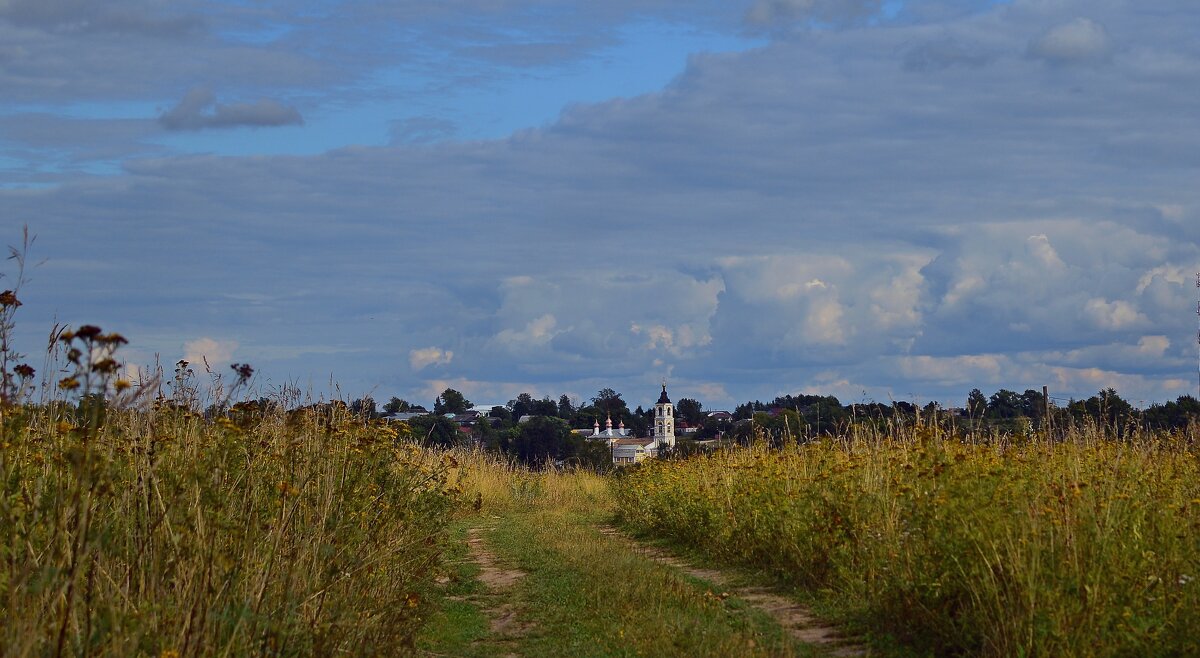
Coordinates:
537 332
1081 40
422 358
1115 315
975 369
1153 346
215 352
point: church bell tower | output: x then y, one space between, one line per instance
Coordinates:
664 421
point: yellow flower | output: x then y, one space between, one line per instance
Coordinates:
68 384
121 385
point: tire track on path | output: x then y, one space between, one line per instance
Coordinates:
503 621
797 620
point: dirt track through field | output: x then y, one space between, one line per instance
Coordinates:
797 620
504 623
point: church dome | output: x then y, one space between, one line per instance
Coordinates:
663 399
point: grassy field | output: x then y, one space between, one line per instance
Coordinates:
1082 547
156 532
133 524
583 592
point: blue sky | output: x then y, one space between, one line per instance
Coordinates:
870 199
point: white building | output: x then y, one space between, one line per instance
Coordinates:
664 422
609 434
626 449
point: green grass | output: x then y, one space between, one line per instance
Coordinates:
1088 547
457 626
584 593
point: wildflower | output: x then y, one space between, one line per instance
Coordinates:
243 370
88 331
121 385
9 298
113 339
24 371
68 384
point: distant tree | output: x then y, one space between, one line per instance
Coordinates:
743 411
610 402
521 406
544 407
364 406
1033 405
501 413
545 438
435 430
595 455
566 409
396 406
1173 415
451 402
1004 404
641 421
1106 407
689 410
977 404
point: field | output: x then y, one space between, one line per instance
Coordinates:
133 523
1086 546
161 533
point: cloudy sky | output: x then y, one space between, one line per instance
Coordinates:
869 198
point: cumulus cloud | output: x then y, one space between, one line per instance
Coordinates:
1080 41
1114 315
214 352
199 110
537 332
420 359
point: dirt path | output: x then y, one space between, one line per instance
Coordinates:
503 620
793 617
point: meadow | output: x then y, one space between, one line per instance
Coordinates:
162 519
1084 545
131 524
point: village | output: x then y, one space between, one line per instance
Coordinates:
625 444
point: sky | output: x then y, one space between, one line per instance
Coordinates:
878 200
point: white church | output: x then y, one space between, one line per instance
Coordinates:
631 450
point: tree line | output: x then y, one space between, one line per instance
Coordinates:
547 433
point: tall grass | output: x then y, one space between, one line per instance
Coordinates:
158 532
493 484
1087 547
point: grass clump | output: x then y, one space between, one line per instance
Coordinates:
1087 547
